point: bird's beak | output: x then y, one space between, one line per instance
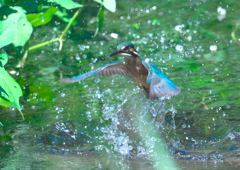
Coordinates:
118 51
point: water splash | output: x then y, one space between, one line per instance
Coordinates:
133 123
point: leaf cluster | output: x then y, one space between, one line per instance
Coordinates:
17 21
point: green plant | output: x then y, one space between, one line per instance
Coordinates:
10 91
18 19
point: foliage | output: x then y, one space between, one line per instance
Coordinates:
16 26
10 91
42 18
15 29
18 18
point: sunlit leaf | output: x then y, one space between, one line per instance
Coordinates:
42 18
109 4
15 29
68 4
3 59
7 32
9 88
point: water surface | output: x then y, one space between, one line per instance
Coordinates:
95 124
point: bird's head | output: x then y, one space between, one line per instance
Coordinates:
125 49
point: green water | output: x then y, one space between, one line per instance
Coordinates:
180 37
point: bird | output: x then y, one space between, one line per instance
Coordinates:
146 75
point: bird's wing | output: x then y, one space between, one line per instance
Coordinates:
160 84
104 71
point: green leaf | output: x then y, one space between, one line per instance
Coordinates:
68 4
15 29
9 89
108 4
5 103
41 18
6 35
3 59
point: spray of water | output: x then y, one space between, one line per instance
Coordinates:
136 127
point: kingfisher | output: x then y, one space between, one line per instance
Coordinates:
146 75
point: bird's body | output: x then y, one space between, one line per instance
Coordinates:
146 75
137 71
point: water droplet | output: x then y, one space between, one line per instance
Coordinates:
179 28
213 48
189 38
179 48
89 116
147 60
114 35
97 80
59 109
108 91
224 114
94 59
78 58
84 56
154 7
221 13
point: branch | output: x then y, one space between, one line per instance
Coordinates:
60 40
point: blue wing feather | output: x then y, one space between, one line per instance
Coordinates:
160 84
104 71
